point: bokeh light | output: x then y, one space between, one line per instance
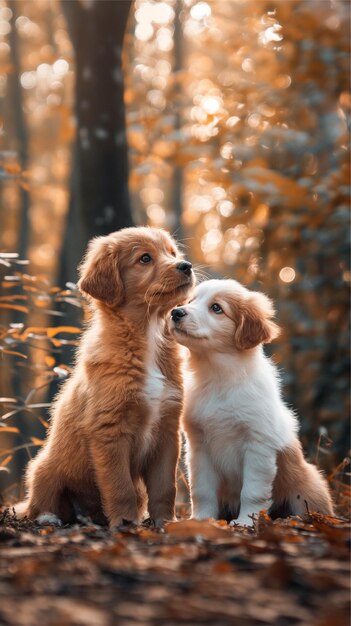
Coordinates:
287 274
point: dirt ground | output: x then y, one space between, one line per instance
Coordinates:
291 572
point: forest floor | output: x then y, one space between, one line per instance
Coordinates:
287 572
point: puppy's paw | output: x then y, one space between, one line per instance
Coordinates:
243 520
48 519
21 509
121 524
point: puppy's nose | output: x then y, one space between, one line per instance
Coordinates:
185 267
177 314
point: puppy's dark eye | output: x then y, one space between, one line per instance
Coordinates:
216 308
173 253
146 258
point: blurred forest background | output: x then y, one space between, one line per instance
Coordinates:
223 121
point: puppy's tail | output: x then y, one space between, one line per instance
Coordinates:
299 487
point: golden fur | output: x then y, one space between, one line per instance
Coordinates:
298 488
113 445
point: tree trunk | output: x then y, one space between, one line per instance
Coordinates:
99 200
19 128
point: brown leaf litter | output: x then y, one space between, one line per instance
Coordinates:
286 572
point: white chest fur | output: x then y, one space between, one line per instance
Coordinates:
156 386
237 407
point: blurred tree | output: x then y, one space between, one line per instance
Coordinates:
99 200
255 119
19 125
178 174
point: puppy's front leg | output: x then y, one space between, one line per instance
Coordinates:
258 475
111 459
204 482
161 477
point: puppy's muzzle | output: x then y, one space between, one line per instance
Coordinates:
185 267
178 314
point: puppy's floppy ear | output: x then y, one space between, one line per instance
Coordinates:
255 325
99 273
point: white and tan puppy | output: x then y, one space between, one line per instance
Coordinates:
244 453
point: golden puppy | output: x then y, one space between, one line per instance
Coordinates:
244 451
114 431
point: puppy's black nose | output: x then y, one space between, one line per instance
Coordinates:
185 267
177 314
